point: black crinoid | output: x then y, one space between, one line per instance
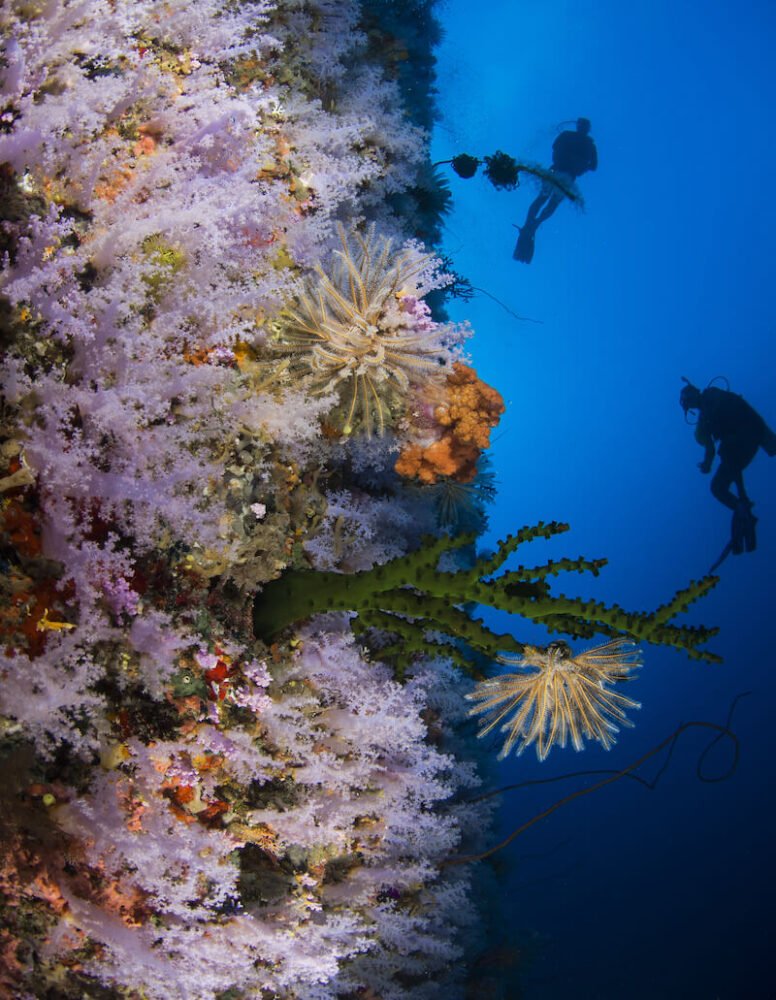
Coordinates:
502 170
464 165
462 506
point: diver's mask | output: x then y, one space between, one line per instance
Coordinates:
688 398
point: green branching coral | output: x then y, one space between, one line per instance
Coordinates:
422 605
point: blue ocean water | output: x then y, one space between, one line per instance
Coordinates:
631 894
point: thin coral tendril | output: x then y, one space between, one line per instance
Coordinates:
523 319
720 729
651 785
728 722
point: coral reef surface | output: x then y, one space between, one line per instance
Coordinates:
242 475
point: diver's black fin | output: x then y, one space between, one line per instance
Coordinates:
524 248
743 537
750 535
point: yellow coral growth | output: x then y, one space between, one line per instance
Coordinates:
469 410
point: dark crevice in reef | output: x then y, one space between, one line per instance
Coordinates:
402 37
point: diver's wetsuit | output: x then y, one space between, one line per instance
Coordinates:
740 430
574 154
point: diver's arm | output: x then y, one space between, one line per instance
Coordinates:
593 156
703 437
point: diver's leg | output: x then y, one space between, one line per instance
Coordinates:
524 248
737 450
533 209
741 489
743 537
549 208
720 485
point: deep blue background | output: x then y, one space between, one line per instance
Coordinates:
631 894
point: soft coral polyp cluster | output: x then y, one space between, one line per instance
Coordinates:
467 414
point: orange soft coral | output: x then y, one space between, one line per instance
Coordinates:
472 407
469 410
445 457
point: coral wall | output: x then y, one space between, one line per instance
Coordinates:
187 812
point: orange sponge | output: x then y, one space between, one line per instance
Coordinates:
467 414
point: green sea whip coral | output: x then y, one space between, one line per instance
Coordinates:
362 333
421 604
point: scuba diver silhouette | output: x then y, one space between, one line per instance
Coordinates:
573 154
727 418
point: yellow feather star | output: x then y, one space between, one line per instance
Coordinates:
559 696
347 333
